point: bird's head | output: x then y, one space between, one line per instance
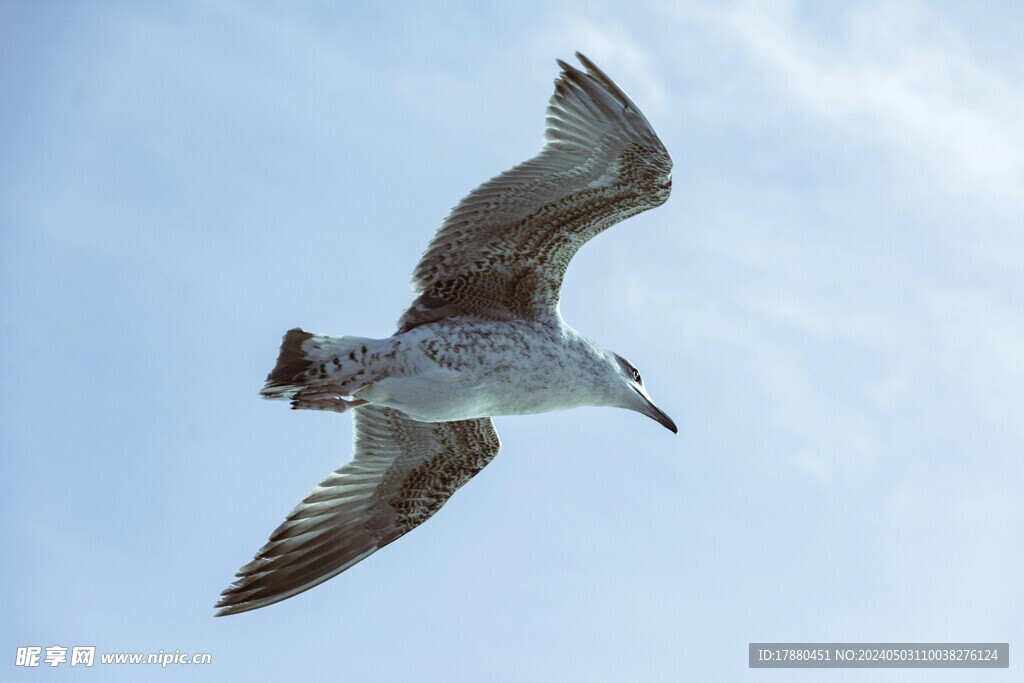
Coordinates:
633 395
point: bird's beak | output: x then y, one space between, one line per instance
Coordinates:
655 413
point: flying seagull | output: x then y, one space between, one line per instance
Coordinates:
484 337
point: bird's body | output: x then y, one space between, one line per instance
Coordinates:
484 337
462 368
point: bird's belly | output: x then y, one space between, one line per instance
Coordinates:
446 396
458 370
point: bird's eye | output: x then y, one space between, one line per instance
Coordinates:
636 376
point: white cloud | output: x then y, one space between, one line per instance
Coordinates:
891 365
938 363
882 379
899 73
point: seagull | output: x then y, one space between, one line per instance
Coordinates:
483 337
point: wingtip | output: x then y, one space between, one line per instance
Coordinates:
585 61
222 607
228 601
226 607
226 610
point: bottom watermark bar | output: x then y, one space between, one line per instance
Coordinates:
879 655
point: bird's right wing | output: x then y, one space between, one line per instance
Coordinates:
402 472
502 252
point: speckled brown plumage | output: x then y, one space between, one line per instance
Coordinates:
402 472
502 252
463 448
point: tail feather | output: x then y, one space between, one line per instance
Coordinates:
309 362
292 361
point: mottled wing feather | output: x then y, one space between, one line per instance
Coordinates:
502 252
402 472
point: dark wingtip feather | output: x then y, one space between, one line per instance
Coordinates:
595 72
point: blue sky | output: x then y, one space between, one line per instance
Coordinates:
829 306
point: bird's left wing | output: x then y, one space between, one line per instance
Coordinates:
502 252
402 472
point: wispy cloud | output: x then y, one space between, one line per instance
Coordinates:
892 363
899 73
862 354
878 377
937 341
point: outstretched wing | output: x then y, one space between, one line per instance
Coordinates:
502 252
402 472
